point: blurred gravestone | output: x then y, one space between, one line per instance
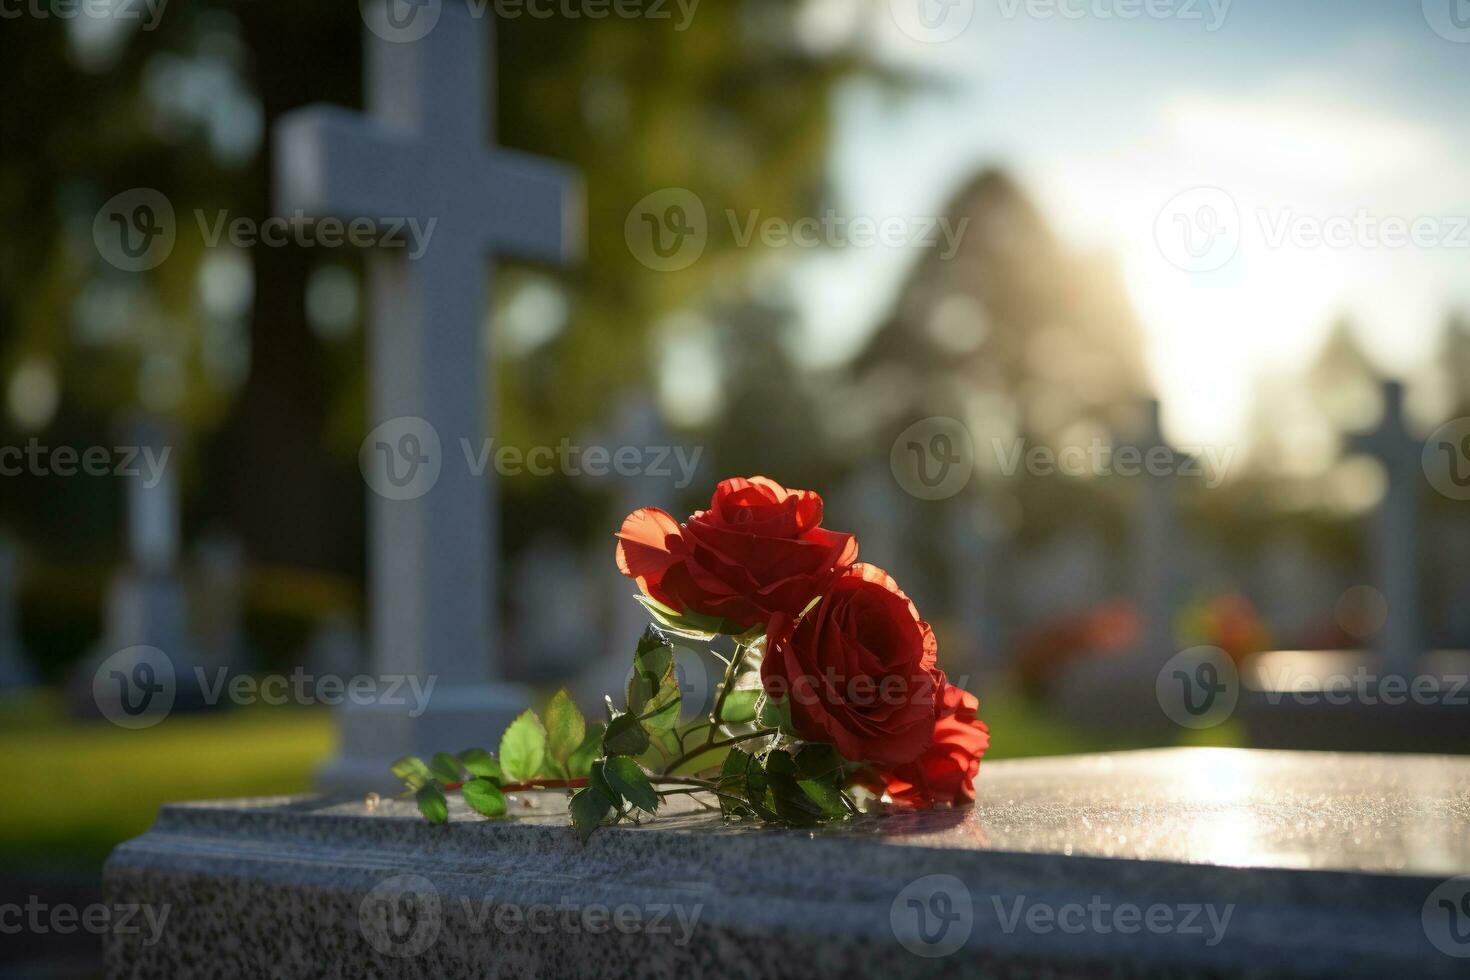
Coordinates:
219 564
552 634
1401 697
147 603
1395 533
1295 586
16 672
1119 693
971 543
420 154
872 505
1157 543
335 648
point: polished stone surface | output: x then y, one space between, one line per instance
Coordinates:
1310 865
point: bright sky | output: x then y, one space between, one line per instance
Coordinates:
1330 116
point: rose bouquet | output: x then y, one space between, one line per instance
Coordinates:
831 699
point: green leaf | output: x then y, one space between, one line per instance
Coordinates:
481 763
485 797
819 761
412 770
445 767
432 804
522 747
580 762
589 808
792 803
565 727
631 782
664 716
625 736
653 690
774 713
695 626
824 795
739 707
597 780
742 777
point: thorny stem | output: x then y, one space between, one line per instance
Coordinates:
722 743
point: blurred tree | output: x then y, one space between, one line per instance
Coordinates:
734 108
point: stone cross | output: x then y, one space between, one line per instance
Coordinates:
1156 545
970 545
15 667
420 153
1395 534
219 585
153 510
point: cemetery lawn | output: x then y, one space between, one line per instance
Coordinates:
86 786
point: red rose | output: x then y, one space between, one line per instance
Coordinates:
759 550
857 670
946 772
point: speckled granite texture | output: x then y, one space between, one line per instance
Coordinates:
1187 862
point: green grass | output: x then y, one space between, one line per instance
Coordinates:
85 786
1021 728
